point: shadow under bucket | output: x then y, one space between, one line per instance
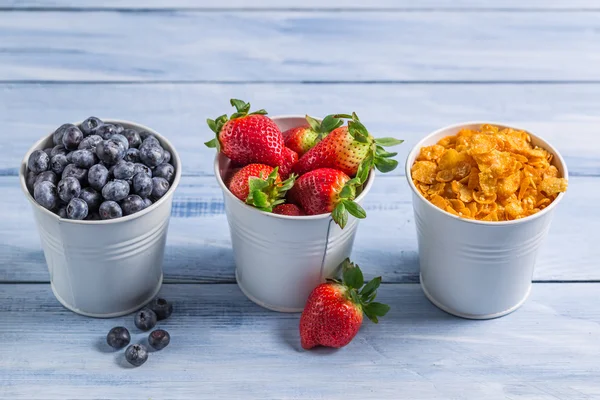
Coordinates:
281 259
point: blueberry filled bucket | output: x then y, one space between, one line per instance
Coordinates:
101 196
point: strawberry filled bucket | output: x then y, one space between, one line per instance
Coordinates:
289 235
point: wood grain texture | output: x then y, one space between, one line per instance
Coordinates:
300 46
435 5
199 248
223 347
565 115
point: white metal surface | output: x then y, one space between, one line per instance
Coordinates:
477 269
281 259
105 268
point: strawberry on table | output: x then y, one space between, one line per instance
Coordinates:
327 190
305 137
246 137
334 310
350 149
260 186
288 209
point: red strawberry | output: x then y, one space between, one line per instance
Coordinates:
327 190
288 209
247 138
350 149
303 138
259 185
290 158
334 310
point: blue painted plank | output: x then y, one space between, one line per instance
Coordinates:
306 4
225 347
199 248
556 112
300 46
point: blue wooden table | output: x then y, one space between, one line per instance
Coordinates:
406 68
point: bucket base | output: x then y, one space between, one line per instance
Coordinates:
111 315
264 305
472 316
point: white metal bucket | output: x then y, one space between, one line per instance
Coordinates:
477 269
281 259
105 268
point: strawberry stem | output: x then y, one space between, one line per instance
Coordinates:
363 296
266 193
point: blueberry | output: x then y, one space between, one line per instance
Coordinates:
121 139
83 158
110 210
166 171
69 156
89 125
98 176
145 319
38 161
106 131
161 307
93 216
142 184
136 354
132 155
150 141
45 194
132 204
30 180
151 155
147 202
68 188
120 128
132 137
115 190
110 151
91 197
58 163
118 337
124 170
62 212
77 209
60 149
160 186
139 167
74 171
144 135
90 142
48 151
159 339
57 136
166 156
72 137
46 176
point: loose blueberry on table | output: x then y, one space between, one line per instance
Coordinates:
118 337
136 354
145 319
161 307
159 339
99 170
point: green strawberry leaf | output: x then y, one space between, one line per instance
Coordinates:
370 289
385 164
358 131
212 125
240 105
354 209
364 168
348 192
374 310
330 123
212 143
313 123
381 152
259 112
340 215
352 275
258 199
344 116
388 141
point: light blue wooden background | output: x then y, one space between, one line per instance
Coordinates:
406 68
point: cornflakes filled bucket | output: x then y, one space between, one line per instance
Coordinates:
474 268
280 259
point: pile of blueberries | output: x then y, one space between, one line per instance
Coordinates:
99 171
145 319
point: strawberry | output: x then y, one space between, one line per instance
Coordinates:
327 190
288 209
303 138
260 186
247 138
290 158
334 310
350 149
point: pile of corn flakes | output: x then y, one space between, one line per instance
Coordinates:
487 174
